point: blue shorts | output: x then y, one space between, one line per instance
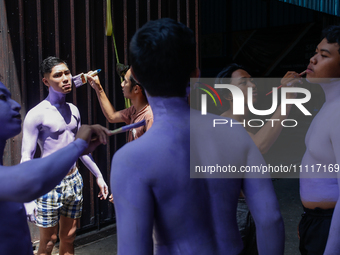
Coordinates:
65 199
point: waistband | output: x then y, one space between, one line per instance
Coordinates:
73 172
319 212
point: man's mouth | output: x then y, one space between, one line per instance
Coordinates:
309 70
17 116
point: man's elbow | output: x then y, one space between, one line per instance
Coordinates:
270 218
263 147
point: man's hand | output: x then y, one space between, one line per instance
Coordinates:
31 211
94 135
104 190
289 80
94 82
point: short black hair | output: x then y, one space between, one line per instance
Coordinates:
332 34
224 77
48 63
134 83
162 57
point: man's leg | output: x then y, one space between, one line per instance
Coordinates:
67 234
48 237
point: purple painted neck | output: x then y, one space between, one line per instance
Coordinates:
56 98
167 105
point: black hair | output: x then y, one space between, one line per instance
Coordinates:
224 77
48 63
332 34
162 56
134 83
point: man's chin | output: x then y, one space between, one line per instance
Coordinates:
66 91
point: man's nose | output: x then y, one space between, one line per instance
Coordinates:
313 60
15 105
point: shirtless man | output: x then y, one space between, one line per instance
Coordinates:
53 124
140 109
159 208
319 192
263 137
31 179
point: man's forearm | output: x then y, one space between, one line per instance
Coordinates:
91 165
107 108
34 178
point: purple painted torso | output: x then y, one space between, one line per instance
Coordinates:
158 205
322 151
53 123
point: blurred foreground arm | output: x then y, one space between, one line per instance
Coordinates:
17 184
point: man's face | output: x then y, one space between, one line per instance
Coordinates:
126 85
10 117
325 63
60 79
243 80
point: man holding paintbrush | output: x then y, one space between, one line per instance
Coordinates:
53 124
140 109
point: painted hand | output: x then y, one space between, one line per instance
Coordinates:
104 190
31 211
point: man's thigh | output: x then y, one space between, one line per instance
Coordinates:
67 227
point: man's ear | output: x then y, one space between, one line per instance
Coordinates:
137 89
45 81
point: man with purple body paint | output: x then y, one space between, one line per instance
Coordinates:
319 228
159 208
31 179
53 124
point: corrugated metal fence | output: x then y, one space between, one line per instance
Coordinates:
74 30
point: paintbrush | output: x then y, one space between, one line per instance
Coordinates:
128 127
81 79
300 74
124 128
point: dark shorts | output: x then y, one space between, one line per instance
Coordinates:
314 228
246 226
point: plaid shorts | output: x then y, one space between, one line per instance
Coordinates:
65 199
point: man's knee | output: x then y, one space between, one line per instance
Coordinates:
49 243
68 238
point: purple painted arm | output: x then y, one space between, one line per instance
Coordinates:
333 244
92 166
264 207
18 186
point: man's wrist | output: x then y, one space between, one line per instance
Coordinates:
99 88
